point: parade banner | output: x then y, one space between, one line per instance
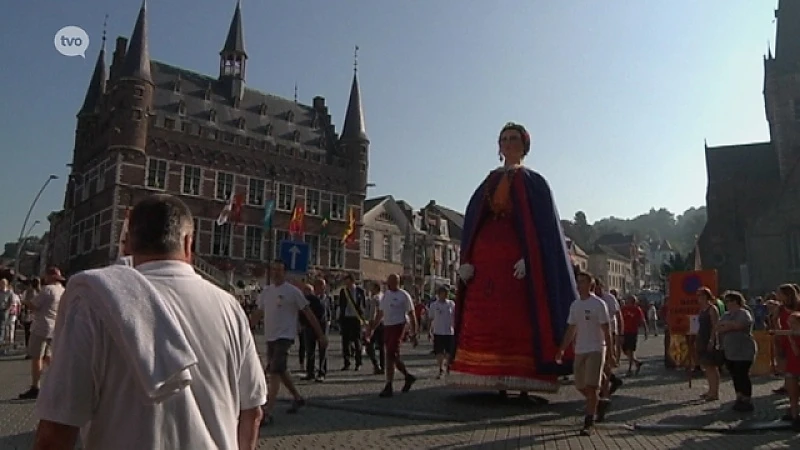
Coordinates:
679 350
682 301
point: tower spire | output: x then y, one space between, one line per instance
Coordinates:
137 58
97 85
234 43
232 58
353 128
787 34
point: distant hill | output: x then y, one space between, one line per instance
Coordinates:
681 230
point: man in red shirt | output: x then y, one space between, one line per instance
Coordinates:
632 319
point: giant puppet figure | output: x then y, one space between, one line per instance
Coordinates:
517 281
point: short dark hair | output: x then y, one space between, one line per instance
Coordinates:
734 297
585 274
158 225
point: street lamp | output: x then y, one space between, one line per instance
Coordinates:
25 223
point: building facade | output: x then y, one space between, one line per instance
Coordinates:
383 239
148 127
577 255
614 268
752 237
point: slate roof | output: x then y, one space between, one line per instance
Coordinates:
730 162
455 221
282 116
371 203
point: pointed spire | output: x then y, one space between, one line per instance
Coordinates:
137 58
97 85
769 50
353 128
234 43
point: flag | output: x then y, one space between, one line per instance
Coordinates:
698 264
269 210
296 224
123 233
236 210
326 221
226 212
350 232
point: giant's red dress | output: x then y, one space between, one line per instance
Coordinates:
508 329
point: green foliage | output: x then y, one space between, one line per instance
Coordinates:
681 231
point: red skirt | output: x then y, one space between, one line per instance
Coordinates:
495 343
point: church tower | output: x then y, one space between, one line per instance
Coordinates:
353 141
782 87
232 59
132 93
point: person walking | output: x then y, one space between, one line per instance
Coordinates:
151 356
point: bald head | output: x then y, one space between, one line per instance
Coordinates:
392 282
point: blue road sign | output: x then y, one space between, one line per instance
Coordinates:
295 256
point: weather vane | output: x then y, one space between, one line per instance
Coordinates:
105 27
355 59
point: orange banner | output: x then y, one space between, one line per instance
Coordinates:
682 300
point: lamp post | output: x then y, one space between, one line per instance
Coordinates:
25 224
270 230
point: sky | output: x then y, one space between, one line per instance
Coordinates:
619 96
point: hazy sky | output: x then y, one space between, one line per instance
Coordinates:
618 95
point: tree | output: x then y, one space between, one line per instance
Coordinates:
676 263
583 233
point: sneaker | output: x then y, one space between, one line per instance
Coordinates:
30 394
410 379
387 391
616 383
588 426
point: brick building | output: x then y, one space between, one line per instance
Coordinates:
146 127
752 237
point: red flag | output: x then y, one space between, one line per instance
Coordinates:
236 209
297 223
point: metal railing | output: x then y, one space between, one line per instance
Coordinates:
208 271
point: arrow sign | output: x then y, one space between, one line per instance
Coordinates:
295 256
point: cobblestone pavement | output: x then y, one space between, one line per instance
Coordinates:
345 412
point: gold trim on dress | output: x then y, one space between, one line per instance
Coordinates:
467 380
490 359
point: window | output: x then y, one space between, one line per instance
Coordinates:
224 185
253 239
280 235
221 240
157 174
794 250
262 110
290 116
296 136
91 184
228 137
169 123
207 95
192 177
74 240
285 197
336 253
241 123
367 244
212 116
255 192
387 248
313 249
337 206
181 108
88 234
268 129
195 233
313 202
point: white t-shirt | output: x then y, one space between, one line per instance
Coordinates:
395 306
12 304
613 308
90 384
441 313
588 315
281 305
46 304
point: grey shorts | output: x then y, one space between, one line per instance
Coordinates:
39 347
277 355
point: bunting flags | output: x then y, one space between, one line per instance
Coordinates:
297 223
123 233
232 212
269 211
350 233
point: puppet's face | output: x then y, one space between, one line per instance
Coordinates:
511 145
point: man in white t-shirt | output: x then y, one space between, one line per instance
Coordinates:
280 304
589 327
91 384
442 314
396 309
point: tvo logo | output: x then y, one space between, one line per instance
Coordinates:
71 41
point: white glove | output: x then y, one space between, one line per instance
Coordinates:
519 269
466 272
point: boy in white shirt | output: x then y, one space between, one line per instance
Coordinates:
442 313
589 328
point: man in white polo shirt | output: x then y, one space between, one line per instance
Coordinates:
396 309
442 311
589 327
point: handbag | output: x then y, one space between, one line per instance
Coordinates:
717 356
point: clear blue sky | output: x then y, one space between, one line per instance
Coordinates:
618 95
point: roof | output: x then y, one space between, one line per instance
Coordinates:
193 88
137 56
455 220
371 203
615 239
353 128
731 162
608 251
234 43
